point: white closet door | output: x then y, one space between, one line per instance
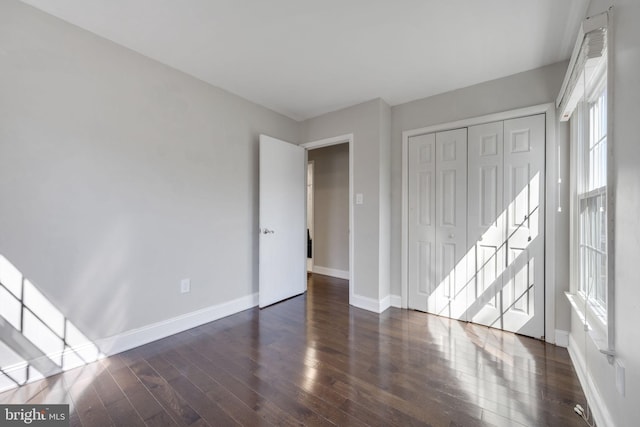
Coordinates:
476 223
422 222
486 224
449 298
523 288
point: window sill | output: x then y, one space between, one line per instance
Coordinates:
592 322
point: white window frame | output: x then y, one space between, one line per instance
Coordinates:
590 67
596 311
599 320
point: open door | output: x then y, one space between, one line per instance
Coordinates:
283 231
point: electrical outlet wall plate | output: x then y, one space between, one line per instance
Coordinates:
185 286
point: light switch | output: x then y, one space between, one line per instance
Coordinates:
359 199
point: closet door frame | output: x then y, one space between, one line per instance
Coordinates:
551 198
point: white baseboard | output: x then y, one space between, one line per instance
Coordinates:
25 372
146 334
370 304
396 301
340 274
385 303
562 338
92 351
17 372
598 408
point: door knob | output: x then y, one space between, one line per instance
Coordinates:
267 231
451 236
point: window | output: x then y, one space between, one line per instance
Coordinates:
583 101
591 189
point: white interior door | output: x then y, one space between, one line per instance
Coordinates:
283 234
523 290
486 223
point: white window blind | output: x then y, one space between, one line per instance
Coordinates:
587 61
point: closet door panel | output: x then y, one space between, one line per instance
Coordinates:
422 220
523 290
449 298
486 224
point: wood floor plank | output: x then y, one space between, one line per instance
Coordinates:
179 410
74 420
321 385
385 410
315 360
369 388
123 414
216 391
107 388
88 405
289 399
206 408
264 407
142 400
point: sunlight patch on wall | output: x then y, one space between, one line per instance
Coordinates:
38 340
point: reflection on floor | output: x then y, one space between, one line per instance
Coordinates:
315 360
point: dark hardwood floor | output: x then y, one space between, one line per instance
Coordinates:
314 360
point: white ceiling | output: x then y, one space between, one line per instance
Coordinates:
303 58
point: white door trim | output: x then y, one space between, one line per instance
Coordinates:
551 198
326 142
310 165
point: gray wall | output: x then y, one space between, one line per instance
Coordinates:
331 206
364 121
533 87
624 411
119 176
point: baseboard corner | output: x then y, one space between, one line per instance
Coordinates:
562 338
332 272
370 304
396 301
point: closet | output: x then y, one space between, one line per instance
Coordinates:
476 224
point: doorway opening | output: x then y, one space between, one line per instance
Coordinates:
329 208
